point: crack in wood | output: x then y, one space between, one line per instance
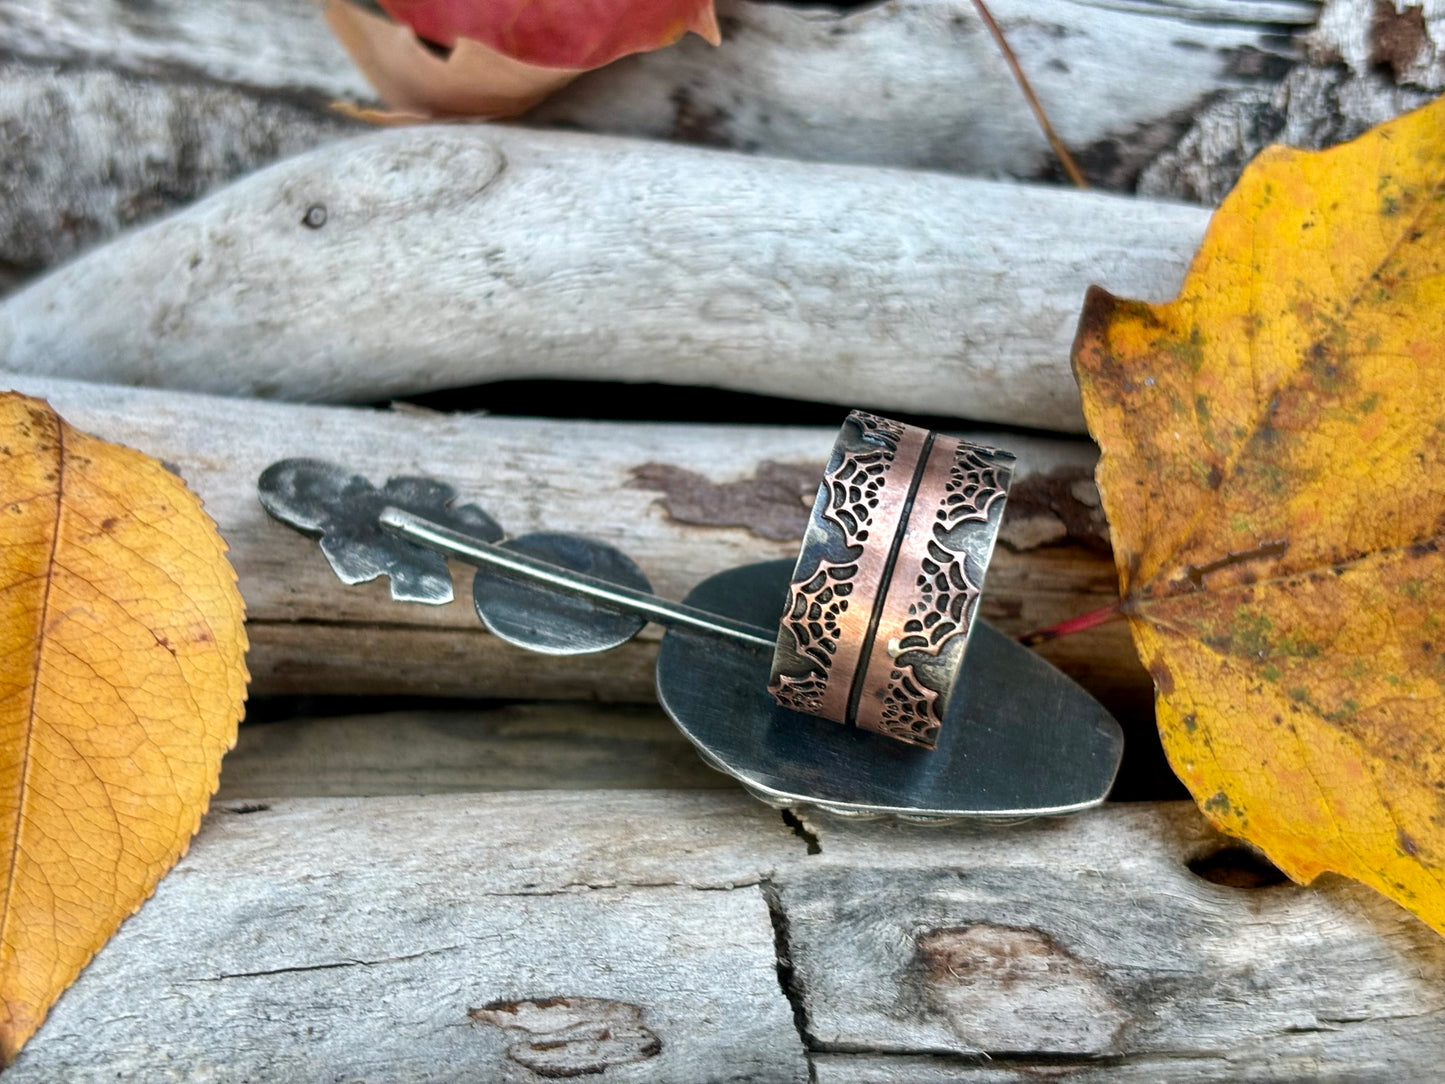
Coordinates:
333 965
789 981
802 831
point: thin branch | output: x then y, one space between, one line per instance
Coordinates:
1065 159
1090 620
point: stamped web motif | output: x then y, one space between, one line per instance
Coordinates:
800 694
947 596
855 484
816 606
974 484
910 711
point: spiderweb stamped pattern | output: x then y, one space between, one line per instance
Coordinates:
855 484
944 589
817 606
815 609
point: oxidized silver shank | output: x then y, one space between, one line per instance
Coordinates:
887 583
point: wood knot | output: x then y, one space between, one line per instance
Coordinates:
1016 988
571 1036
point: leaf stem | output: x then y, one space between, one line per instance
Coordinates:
1090 620
1065 158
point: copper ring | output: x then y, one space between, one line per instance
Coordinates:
887 583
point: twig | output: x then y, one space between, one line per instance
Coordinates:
1065 159
1092 619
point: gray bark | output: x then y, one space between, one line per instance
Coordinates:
1365 63
90 152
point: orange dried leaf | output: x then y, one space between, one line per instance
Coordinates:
499 58
1273 473
122 676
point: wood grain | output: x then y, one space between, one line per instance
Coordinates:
512 253
389 937
724 501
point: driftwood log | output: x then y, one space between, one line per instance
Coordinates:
912 83
696 936
114 113
683 501
463 746
545 254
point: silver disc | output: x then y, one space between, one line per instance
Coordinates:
550 621
1020 739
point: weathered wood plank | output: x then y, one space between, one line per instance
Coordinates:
864 86
1092 939
529 746
683 501
350 937
421 939
512 253
90 152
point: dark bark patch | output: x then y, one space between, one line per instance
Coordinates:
1058 508
772 504
571 1036
1397 38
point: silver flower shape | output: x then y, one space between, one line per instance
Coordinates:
342 509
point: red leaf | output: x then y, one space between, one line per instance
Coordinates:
559 33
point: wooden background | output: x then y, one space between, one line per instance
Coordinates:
437 858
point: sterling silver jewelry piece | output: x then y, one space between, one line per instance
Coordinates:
857 679
886 588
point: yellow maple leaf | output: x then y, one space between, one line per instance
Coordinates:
122 676
1273 473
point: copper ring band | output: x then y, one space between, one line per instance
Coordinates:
887 583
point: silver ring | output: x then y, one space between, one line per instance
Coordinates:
887 583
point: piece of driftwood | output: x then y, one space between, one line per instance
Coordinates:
914 82
1366 61
528 746
511 253
439 939
684 501
697 936
90 151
